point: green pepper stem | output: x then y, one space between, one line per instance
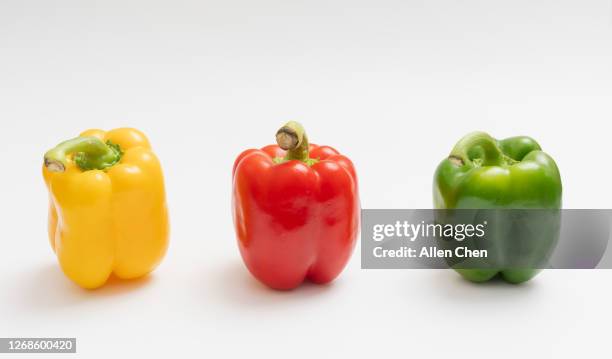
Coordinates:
91 153
492 152
292 138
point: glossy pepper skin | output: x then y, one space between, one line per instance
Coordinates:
484 173
296 212
107 212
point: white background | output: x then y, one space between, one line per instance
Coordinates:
392 84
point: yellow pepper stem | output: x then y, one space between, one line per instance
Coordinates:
90 153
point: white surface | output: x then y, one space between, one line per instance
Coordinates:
392 84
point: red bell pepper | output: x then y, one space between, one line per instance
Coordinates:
296 210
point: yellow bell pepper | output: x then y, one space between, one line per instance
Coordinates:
108 212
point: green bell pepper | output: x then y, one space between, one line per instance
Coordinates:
484 173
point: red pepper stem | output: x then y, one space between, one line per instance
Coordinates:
89 153
292 138
491 151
